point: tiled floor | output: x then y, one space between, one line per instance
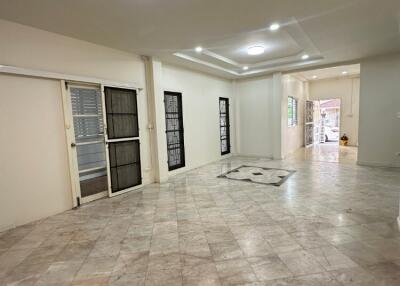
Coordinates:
328 224
327 152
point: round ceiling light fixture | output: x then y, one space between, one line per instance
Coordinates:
274 27
314 77
305 57
198 49
245 68
344 72
255 50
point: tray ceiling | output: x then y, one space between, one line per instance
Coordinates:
329 32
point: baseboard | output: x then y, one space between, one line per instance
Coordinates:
187 168
254 156
378 164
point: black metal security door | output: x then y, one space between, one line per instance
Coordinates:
224 125
122 139
174 130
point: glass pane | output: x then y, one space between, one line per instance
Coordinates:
121 107
125 164
87 115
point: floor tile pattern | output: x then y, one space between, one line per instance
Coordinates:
259 175
328 224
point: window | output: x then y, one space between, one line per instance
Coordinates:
292 111
174 130
224 125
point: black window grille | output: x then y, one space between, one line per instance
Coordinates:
224 126
174 130
292 111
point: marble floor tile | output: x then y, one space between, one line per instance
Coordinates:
59 272
328 223
255 247
283 243
354 276
332 259
131 262
200 274
269 267
127 279
25 274
301 262
361 254
319 279
226 250
309 239
235 272
387 272
96 267
75 251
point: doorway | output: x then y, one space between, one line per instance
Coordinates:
89 145
328 113
104 141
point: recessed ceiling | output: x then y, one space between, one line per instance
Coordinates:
332 72
329 31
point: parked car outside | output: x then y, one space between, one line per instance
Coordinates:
331 133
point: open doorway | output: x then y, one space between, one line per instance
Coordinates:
331 115
329 121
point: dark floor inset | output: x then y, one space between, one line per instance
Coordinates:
93 186
258 175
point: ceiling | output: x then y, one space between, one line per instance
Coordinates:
332 72
329 31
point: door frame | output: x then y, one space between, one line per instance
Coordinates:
228 129
73 169
72 151
103 97
179 95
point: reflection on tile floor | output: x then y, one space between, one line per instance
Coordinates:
329 224
326 152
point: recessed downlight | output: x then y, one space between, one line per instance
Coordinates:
305 57
198 49
255 50
245 68
314 77
344 72
274 27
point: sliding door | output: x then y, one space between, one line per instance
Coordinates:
89 145
122 139
174 130
224 126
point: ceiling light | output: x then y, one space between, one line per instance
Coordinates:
255 50
199 49
314 77
245 68
274 27
344 72
305 57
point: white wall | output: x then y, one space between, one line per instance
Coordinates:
254 116
200 105
34 173
379 131
32 48
348 91
293 137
